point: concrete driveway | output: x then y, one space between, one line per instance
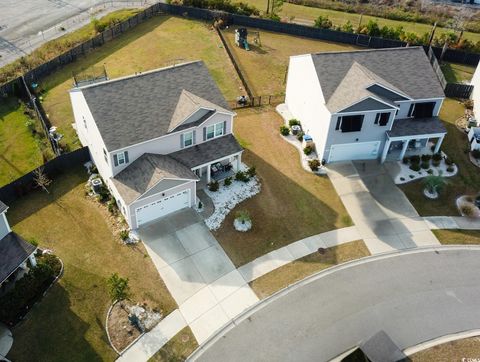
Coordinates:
384 216
414 296
197 272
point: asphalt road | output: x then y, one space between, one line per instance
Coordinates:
413 297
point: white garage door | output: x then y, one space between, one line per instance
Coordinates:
163 207
354 151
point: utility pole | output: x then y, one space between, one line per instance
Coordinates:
432 34
268 6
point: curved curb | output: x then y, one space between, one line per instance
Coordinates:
106 327
441 340
282 292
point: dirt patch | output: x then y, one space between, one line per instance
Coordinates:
121 331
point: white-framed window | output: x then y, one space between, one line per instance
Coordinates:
120 158
215 130
105 155
188 139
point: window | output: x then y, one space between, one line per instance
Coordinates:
105 155
84 122
187 139
351 123
382 119
410 110
423 110
215 130
120 158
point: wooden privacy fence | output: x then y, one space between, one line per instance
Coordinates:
458 90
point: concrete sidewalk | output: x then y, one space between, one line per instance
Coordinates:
452 222
385 219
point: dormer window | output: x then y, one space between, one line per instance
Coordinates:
188 139
215 130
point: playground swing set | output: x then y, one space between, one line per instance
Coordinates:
241 35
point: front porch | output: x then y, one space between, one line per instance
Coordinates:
218 170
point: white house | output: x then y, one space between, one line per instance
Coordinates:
14 251
367 104
154 135
476 92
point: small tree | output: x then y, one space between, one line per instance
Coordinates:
41 179
323 22
435 183
119 288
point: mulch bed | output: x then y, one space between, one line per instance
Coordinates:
122 332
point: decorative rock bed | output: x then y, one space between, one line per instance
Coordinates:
227 197
431 195
406 174
242 226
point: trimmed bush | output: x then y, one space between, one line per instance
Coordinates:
124 234
449 161
425 165
437 157
300 136
251 171
430 171
227 181
242 176
406 160
294 122
450 169
468 210
415 159
213 186
415 167
314 164
435 163
426 158
476 154
284 130
307 150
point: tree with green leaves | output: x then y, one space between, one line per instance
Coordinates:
323 22
119 289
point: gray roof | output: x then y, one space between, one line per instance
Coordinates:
3 207
416 126
368 104
207 151
13 252
380 348
145 172
346 76
139 108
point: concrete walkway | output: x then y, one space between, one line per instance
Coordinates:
385 219
452 222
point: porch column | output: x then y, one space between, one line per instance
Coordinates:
200 171
404 149
33 260
239 161
385 150
208 173
438 144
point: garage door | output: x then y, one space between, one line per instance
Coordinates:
162 207
354 151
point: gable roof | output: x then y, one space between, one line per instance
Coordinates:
3 207
13 252
142 107
346 76
145 172
368 104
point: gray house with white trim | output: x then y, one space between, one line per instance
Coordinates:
367 104
154 135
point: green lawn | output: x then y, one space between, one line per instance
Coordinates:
307 15
457 73
265 66
68 323
292 204
467 180
299 269
178 348
156 43
458 237
20 150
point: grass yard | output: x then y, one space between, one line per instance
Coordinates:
457 73
156 43
299 269
293 203
307 15
458 237
20 150
265 67
68 324
467 180
178 348
467 349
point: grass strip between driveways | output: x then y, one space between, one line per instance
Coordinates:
299 269
458 237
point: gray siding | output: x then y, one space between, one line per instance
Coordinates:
162 186
4 229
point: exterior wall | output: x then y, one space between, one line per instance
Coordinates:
169 143
476 92
89 136
474 145
405 106
305 101
4 226
369 132
132 221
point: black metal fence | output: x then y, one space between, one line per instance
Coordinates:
52 168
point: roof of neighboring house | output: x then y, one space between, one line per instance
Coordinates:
416 126
347 77
148 105
207 151
381 348
3 207
13 252
147 171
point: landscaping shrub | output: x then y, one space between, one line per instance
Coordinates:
415 159
307 150
476 154
240 8
430 171
425 165
300 136
435 163
468 104
468 210
435 183
284 130
227 181
294 122
323 22
450 169
242 176
406 160
449 161
415 167
314 164
243 216
437 157
213 186
33 241
118 287
426 158
124 234
252 171
112 205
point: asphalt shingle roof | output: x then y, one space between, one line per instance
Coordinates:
13 251
416 126
344 76
3 207
139 108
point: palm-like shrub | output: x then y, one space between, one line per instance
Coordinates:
435 183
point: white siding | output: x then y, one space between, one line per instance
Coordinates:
476 92
304 99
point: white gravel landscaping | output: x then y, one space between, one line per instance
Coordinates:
227 197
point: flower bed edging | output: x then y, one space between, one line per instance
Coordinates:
407 175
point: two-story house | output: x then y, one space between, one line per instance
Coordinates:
154 135
367 104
